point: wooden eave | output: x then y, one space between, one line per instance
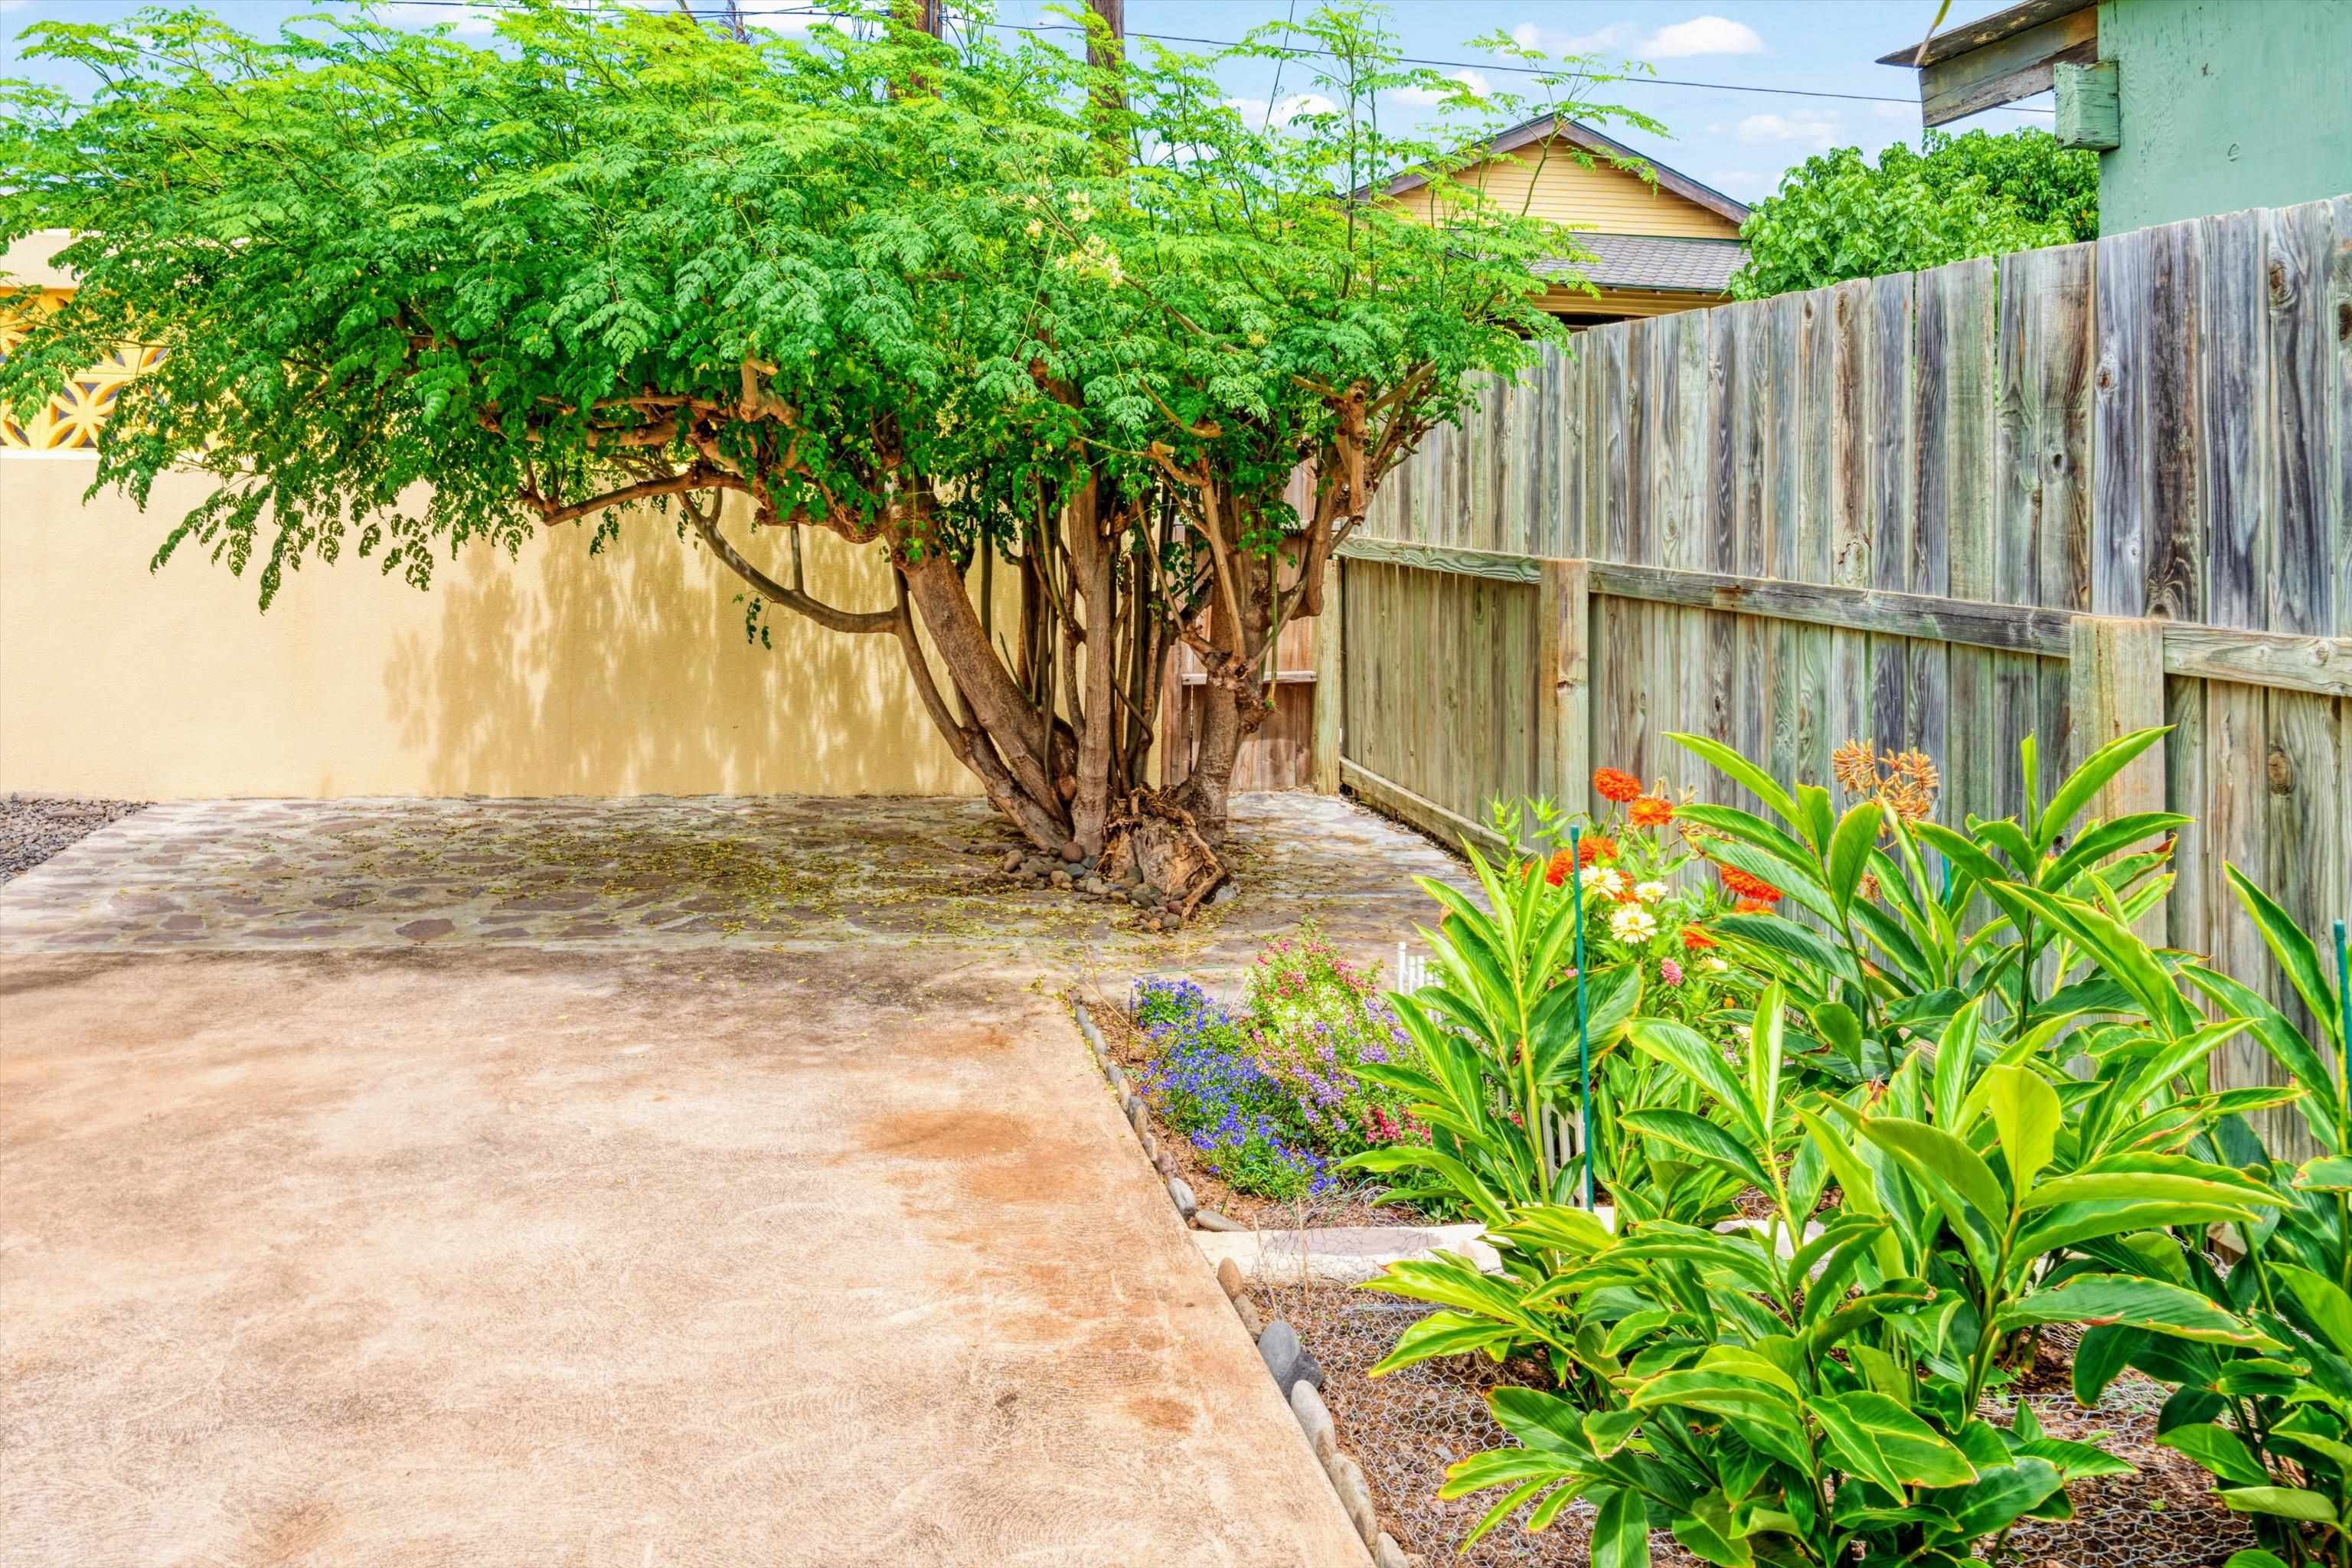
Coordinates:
2011 54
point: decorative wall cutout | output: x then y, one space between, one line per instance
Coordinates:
71 420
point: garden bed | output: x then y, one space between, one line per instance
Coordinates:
1342 1203
1406 1428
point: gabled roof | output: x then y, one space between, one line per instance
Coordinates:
1660 263
1545 127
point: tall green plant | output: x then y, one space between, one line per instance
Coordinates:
1495 1039
1894 948
2275 1429
1807 1390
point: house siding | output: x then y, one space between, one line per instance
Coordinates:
2226 104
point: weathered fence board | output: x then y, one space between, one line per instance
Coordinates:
1876 511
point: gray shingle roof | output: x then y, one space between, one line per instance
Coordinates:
1655 261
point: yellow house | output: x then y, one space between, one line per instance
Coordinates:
1660 241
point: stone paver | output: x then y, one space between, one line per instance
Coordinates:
657 873
616 1182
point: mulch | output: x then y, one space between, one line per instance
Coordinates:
33 828
1406 1428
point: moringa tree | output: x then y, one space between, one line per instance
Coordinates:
981 306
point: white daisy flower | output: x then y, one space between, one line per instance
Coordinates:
1632 923
1650 892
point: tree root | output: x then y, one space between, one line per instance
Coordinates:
1160 839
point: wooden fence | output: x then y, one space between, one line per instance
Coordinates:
2061 493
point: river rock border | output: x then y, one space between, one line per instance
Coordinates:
1289 1363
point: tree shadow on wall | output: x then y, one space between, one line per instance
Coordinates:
627 672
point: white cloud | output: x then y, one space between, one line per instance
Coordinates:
1816 129
1252 111
1429 97
1909 111
1703 36
1616 36
1681 40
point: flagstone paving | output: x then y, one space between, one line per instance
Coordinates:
617 1183
658 873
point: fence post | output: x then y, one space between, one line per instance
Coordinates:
1564 682
1328 676
2116 685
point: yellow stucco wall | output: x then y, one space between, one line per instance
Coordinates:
556 673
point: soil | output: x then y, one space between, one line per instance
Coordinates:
1350 1205
1406 1428
33 828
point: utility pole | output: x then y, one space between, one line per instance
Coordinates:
1107 51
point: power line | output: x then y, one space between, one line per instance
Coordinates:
821 14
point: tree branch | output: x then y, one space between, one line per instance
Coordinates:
823 614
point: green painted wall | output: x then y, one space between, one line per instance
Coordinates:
2226 104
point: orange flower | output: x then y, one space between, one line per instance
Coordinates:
1697 940
1747 886
1615 784
1600 847
1557 872
1752 906
1649 811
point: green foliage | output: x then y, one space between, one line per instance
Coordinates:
1887 955
1840 217
2275 1429
1805 1386
1495 1069
1494 1041
1311 1019
957 301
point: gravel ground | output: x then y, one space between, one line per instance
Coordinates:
34 826
1407 1427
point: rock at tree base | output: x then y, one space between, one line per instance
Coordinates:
1229 1275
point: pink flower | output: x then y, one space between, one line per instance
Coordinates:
1670 971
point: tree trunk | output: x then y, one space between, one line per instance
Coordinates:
1022 741
1091 556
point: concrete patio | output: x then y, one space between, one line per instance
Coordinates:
633 1181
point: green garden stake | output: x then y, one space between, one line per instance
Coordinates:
1583 1034
2344 1018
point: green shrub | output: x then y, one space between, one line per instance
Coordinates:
1806 1387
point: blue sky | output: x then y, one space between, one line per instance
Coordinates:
1727 136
